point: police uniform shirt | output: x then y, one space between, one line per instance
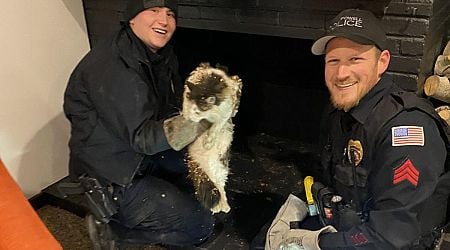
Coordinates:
402 162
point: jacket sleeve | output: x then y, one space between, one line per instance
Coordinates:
398 196
128 108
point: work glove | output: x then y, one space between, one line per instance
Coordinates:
301 239
293 210
180 131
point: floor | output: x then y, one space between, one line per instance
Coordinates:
264 170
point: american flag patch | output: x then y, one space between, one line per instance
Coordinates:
407 136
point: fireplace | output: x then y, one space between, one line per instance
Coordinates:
283 91
267 43
417 29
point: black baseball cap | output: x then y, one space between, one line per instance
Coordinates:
136 6
360 26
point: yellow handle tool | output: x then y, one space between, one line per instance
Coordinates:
308 182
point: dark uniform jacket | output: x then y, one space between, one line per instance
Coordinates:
398 150
116 100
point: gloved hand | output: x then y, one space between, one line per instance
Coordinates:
293 209
180 132
296 239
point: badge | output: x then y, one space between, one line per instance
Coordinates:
355 148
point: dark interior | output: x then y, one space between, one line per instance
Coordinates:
276 128
283 89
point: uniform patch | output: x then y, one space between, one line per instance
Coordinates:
407 136
406 172
359 239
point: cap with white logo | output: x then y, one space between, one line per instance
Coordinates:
360 26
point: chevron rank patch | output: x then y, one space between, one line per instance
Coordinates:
406 172
407 136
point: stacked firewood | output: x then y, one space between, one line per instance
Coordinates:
437 86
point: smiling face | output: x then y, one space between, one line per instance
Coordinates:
154 26
351 70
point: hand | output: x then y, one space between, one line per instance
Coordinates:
293 209
303 239
180 132
203 126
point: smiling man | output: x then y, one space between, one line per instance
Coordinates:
117 100
385 151
154 26
352 70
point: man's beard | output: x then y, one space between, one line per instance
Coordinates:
347 105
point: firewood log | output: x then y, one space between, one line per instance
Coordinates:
442 66
444 113
438 87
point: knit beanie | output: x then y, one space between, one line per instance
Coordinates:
136 6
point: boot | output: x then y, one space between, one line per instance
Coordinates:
100 234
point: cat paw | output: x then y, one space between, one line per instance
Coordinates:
221 207
208 194
226 208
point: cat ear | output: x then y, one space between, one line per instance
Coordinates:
190 85
204 65
222 67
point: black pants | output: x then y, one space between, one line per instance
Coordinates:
160 207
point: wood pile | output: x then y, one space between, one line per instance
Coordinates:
437 86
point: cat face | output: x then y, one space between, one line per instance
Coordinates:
210 93
207 93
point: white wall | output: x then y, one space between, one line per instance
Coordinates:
41 42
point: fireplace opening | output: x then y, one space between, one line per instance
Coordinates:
277 125
283 88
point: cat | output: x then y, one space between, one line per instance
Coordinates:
211 94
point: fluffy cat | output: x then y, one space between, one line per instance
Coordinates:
211 94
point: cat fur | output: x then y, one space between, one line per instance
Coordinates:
211 94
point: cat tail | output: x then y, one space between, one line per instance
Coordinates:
205 190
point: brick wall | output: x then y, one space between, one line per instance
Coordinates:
417 31
416 28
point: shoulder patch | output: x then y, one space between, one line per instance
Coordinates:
407 136
406 172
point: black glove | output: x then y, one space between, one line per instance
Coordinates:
180 132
